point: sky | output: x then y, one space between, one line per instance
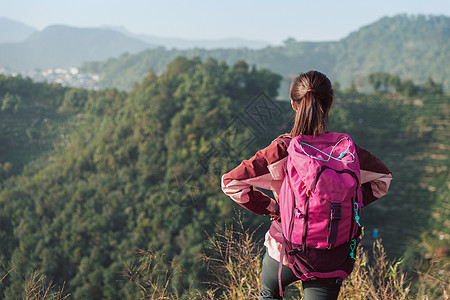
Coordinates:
271 21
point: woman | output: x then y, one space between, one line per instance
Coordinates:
311 97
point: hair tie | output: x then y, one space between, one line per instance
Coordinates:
308 90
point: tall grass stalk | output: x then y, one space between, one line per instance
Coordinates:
234 263
377 278
434 283
37 287
151 275
235 267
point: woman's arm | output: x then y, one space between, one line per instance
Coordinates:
375 176
239 183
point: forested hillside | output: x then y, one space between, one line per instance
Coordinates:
413 47
114 187
93 176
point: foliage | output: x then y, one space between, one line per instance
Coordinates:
385 82
111 184
11 103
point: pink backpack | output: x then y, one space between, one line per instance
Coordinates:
320 201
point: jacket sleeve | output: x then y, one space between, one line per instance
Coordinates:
263 170
375 176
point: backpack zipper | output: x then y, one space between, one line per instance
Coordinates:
352 227
305 224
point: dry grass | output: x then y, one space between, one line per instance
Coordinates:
380 278
233 260
4 276
36 287
151 276
434 283
377 279
235 267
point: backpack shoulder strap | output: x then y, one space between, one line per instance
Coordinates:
286 140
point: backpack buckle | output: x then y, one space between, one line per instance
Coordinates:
294 251
334 224
335 211
298 214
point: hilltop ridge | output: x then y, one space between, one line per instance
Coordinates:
65 46
12 31
413 47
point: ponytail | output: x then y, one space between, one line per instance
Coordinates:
312 95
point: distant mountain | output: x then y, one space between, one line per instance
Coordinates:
206 44
13 31
64 46
180 43
413 47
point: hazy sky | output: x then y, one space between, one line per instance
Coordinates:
272 21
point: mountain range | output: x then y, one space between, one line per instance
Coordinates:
413 47
23 48
64 46
180 43
13 31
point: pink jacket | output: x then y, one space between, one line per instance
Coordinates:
266 170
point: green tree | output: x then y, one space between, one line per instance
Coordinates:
11 103
380 81
396 83
5 170
432 88
74 100
408 88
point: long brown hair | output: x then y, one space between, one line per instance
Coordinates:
312 96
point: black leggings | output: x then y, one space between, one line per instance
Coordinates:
311 290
